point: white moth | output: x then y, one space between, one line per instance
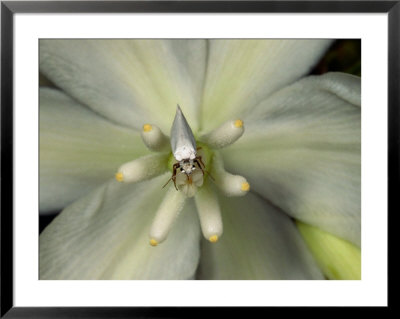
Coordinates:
183 148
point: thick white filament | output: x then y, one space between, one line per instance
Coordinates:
143 168
209 213
154 138
167 212
230 185
224 135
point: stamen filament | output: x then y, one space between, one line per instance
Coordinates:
229 184
154 138
167 212
143 168
224 135
209 213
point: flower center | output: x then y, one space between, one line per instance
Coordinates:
190 175
196 176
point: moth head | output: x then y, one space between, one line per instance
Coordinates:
187 166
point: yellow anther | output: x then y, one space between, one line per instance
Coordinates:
119 177
147 128
213 239
153 242
245 187
238 123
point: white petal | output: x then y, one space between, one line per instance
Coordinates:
132 82
79 150
105 235
302 151
241 73
259 242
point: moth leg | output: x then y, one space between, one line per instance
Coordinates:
210 175
175 166
201 161
173 177
167 182
196 160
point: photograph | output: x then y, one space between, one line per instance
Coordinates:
199 159
168 158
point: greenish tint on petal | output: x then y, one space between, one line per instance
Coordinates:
105 235
337 258
45 82
241 73
131 82
302 151
259 242
79 150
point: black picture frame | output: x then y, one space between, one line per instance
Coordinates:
9 8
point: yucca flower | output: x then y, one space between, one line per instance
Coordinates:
280 195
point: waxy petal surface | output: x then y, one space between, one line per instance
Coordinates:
302 151
79 150
242 73
104 235
259 242
131 82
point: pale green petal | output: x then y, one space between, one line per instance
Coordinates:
259 242
105 235
302 151
337 258
79 150
241 73
131 82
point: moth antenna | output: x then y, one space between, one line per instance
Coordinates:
209 174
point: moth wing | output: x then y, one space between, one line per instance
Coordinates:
183 143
